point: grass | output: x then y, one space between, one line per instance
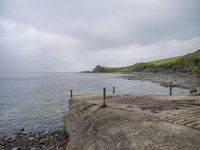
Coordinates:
164 61
186 63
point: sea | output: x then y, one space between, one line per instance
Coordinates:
38 101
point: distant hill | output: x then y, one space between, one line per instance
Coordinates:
189 63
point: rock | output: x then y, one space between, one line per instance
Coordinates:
38 137
195 94
7 138
164 84
193 90
13 137
16 148
44 147
42 141
1 147
22 130
31 138
51 148
24 134
34 148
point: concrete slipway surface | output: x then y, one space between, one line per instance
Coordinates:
134 122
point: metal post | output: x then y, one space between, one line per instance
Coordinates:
71 93
113 89
104 97
170 88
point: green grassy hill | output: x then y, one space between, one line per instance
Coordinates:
189 63
164 61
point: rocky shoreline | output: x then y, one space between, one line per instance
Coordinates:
179 80
22 140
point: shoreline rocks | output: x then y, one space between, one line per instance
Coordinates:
21 140
181 81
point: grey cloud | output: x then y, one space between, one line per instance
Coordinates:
113 21
75 35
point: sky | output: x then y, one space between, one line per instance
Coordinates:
77 35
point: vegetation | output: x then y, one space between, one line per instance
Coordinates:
189 63
164 61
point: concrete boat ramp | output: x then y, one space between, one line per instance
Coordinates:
134 122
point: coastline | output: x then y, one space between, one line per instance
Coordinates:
181 81
58 139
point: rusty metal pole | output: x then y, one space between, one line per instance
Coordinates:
104 97
71 93
113 89
170 88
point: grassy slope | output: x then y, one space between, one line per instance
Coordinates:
164 61
188 63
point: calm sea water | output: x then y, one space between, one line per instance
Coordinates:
38 101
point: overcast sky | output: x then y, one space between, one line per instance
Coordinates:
75 35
